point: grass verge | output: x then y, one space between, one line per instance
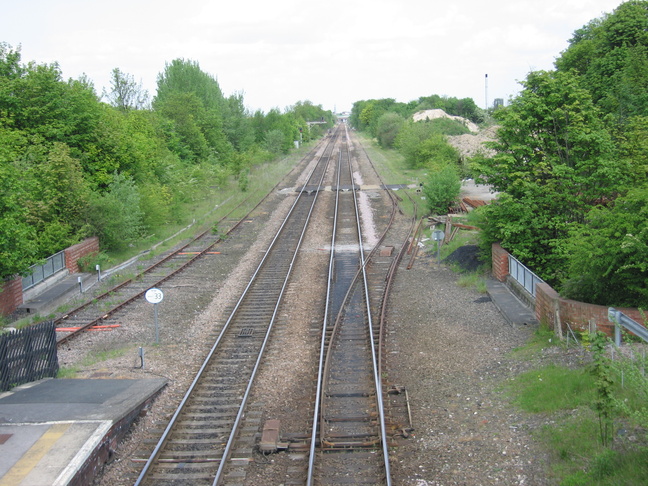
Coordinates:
565 399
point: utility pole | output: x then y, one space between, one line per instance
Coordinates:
486 90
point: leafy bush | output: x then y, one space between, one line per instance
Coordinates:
387 127
424 143
88 263
116 214
448 126
608 256
442 189
274 142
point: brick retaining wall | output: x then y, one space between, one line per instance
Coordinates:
75 252
500 262
558 312
11 295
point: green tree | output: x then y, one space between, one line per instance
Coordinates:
387 127
237 125
58 200
194 101
424 144
274 141
610 55
408 142
18 246
116 214
186 111
554 155
438 153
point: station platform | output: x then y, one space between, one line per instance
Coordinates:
510 306
46 301
61 431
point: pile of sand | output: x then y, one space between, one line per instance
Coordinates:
468 144
439 113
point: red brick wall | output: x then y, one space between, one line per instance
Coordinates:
74 253
558 312
500 262
577 314
10 295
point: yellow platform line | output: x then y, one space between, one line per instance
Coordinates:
28 461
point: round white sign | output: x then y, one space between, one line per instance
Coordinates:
438 235
154 296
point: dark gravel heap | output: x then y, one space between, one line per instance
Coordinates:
466 257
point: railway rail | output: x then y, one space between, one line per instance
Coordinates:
203 431
101 308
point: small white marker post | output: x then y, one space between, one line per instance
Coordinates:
155 296
438 235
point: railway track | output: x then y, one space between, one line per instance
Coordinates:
209 437
349 438
196 445
213 435
102 308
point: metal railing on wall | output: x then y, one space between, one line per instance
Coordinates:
28 354
521 274
38 273
621 320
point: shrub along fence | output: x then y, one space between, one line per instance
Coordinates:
27 355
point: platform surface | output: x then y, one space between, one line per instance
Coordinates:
49 428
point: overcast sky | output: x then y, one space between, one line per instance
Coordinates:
332 53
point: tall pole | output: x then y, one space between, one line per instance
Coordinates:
486 90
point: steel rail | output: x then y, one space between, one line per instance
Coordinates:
324 369
230 441
154 455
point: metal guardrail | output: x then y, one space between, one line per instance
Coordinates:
621 320
525 277
38 273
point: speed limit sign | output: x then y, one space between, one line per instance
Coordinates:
154 296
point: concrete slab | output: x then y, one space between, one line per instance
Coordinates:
512 308
57 431
58 294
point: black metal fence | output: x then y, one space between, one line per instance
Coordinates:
28 354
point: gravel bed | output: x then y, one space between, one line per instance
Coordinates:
446 344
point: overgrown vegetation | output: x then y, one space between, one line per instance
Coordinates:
422 144
128 167
571 164
594 414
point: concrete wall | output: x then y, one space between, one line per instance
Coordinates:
560 313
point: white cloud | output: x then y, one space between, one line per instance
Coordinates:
332 53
